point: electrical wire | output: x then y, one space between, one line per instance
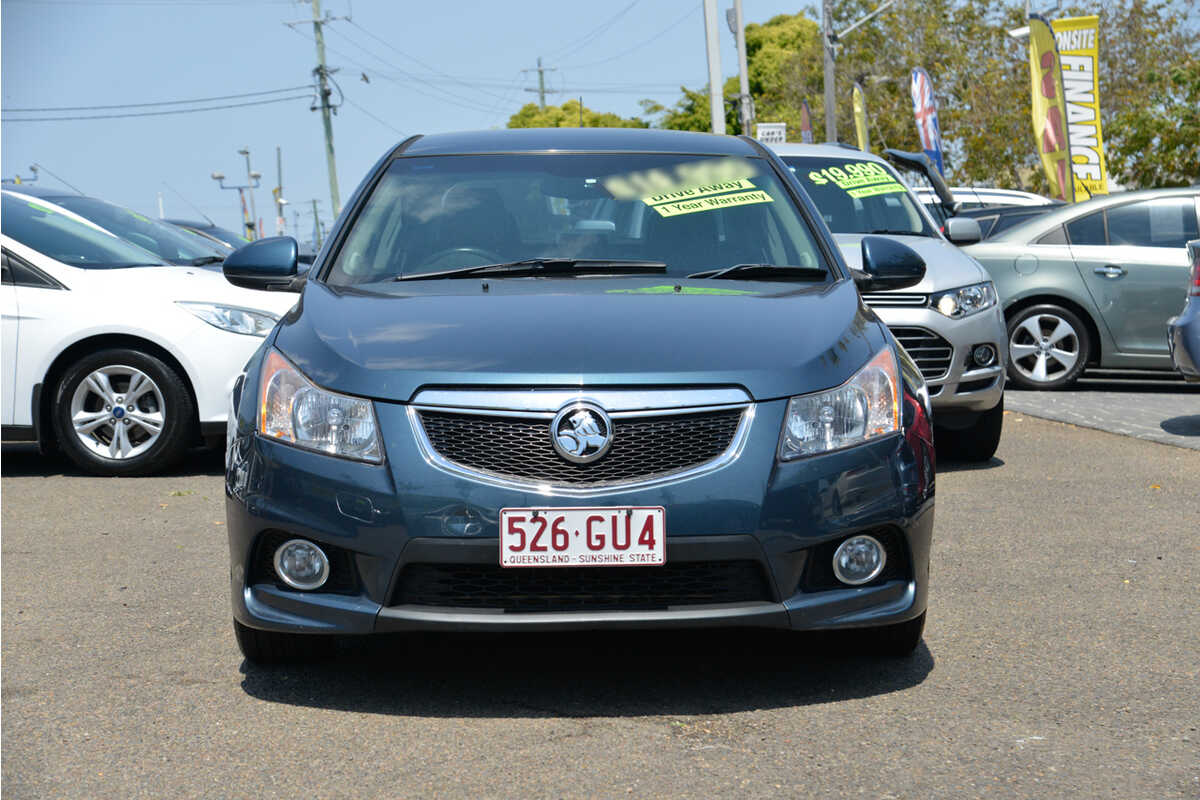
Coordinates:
386 124
161 102
162 113
588 38
639 45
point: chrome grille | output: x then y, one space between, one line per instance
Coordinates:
892 300
519 448
932 353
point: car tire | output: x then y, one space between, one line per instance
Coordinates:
272 647
893 641
1033 360
105 430
975 444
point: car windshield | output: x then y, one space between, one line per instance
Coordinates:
68 240
692 213
169 243
859 196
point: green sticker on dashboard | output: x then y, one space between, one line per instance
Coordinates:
858 179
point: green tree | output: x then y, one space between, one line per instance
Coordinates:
568 116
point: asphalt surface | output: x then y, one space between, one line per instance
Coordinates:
1060 660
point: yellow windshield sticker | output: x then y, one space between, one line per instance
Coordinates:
693 192
857 179
712 203
685 175
37 207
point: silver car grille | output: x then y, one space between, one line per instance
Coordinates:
932 353
514 447
894 300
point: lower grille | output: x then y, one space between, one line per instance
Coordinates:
581 588
932 353
520 448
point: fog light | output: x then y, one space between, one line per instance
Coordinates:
858 560
984 355
301 564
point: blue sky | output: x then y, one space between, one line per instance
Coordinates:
431 67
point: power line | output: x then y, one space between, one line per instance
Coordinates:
162 113
372 116
639 45
588 38
162 102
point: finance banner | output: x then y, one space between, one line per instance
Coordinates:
1049 109
1079 53
925 112
859 99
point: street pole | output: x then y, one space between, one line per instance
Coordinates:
716 95
316 225
745 106
280 224
541 89
830 78
245 151
322 73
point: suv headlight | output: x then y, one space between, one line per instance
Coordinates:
863 408
295 411
965 301
232 318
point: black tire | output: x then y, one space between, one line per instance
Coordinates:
1022 364
976 443
178 413
893 641
272 647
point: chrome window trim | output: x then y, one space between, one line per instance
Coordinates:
437 461
549 401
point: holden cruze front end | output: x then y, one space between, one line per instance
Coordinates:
616 442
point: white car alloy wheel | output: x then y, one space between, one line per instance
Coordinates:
118 412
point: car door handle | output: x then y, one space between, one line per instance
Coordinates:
1109 271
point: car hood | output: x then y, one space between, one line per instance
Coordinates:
946 266
772 339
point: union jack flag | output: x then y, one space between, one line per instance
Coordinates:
925 111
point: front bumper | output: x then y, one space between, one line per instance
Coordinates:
962 386
781 518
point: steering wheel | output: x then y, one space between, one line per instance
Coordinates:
453 257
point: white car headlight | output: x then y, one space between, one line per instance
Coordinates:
232 318
295 411
965 301
863 408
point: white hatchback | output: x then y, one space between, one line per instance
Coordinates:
122 361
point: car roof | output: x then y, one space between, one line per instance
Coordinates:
585 140
824 150
1027 231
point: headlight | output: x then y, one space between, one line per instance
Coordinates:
293 410
965 301
863 408
232 318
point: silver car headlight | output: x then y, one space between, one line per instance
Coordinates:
294 410
863 408
232 318
966 300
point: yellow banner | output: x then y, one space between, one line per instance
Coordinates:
859 100
1049 109
1079 54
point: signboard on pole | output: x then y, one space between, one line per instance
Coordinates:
771 132
1049 109
1079 53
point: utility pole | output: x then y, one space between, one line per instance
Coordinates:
248 226
716 95
316 223
280 224
830 40
322 72
541 90
252 182
745 103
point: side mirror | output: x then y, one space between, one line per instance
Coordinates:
886 265
963 230
264 264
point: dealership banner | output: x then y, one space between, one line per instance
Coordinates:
1049 109
859 99
925 112
1079 53
806 135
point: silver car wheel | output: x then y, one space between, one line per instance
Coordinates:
118 412
1044 347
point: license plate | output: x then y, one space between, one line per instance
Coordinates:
591 537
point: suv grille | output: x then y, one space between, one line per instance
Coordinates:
520 448
891 299
581 588
932 353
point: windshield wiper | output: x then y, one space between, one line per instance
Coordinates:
545 266
204 260
768 271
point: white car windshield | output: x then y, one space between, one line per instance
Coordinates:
859 196
68 240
